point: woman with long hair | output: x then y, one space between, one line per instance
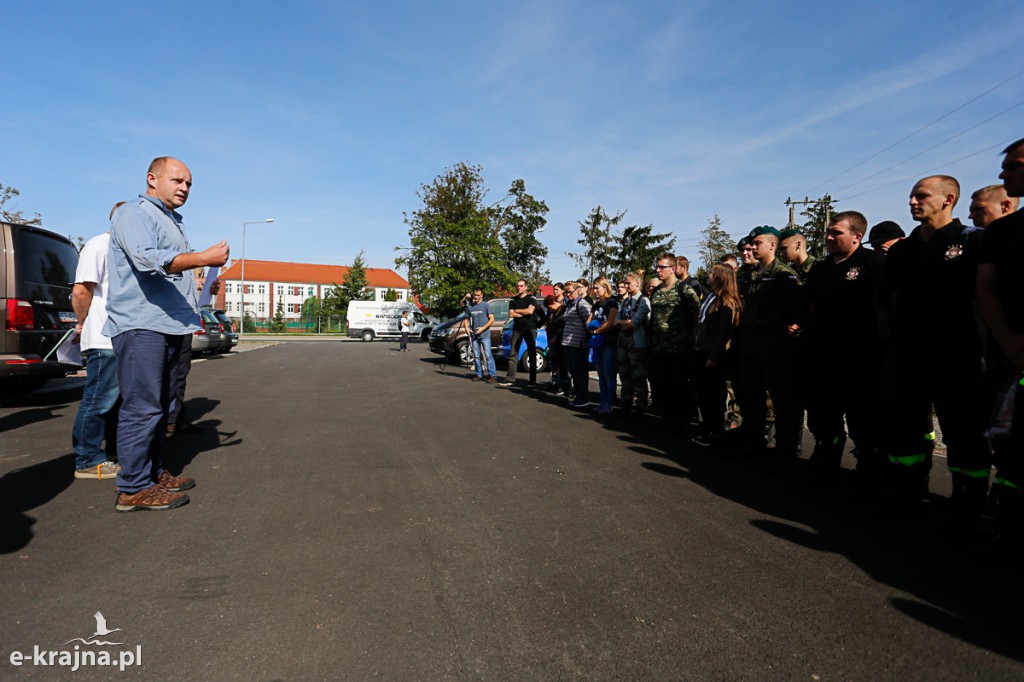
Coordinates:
604 341
719 315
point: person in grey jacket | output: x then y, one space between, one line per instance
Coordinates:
574 342
634 314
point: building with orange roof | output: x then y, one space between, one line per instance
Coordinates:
268 282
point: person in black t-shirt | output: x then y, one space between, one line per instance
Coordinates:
935 356
524 328
1000 291
844 336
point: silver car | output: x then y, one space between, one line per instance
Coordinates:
209 338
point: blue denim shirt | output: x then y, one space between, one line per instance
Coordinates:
145 236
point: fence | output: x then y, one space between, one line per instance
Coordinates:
306 325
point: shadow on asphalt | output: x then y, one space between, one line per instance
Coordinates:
16 420
182 448
957 583
24 489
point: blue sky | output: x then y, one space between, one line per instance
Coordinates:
327 116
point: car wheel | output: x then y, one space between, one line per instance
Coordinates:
367 335
542 361
463 351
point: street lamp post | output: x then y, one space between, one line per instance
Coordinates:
241 324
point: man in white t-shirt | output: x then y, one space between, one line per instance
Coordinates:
97 413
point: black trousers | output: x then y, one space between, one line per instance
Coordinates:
767 367
711 392
530 337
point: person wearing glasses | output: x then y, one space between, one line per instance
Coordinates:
674 310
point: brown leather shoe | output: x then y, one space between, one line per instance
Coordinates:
175 484
153 498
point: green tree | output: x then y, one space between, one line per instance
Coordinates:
277 324
353 287
390 295
516 219
311 307
598 242
8 214
818 215
638 247
453 244
714 242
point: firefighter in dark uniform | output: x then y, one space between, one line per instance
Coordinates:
844 337
772 308
1000 289
935 352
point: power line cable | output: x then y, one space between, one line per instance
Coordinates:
921 129
939 144
920 174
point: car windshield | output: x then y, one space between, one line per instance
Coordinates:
47 265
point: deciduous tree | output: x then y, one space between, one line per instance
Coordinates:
714 242
457 243
8 213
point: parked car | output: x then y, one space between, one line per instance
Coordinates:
37 269
208 339
451 338
369 320
504 348
229 336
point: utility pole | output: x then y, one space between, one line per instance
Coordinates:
826 201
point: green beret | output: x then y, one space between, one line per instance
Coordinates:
762 230
743 242
791 232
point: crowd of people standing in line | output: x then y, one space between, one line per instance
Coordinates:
867 343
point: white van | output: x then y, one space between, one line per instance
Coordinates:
369 320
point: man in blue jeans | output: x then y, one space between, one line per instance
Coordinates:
97 413
151 308
480 320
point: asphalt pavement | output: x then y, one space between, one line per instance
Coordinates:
361 514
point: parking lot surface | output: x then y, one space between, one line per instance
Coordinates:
361 514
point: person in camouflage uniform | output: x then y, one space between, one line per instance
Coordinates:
674 310
793 251
773 310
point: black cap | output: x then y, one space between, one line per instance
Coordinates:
883 232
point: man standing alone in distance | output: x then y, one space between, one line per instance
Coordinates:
405 325
151 309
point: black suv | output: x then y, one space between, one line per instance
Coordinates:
37 271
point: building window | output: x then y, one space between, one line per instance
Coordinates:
280 291
400 295
263 289
295 307
310 291
248 288
263 307
295 291
227 288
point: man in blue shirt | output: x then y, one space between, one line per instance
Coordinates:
151 310
480 320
